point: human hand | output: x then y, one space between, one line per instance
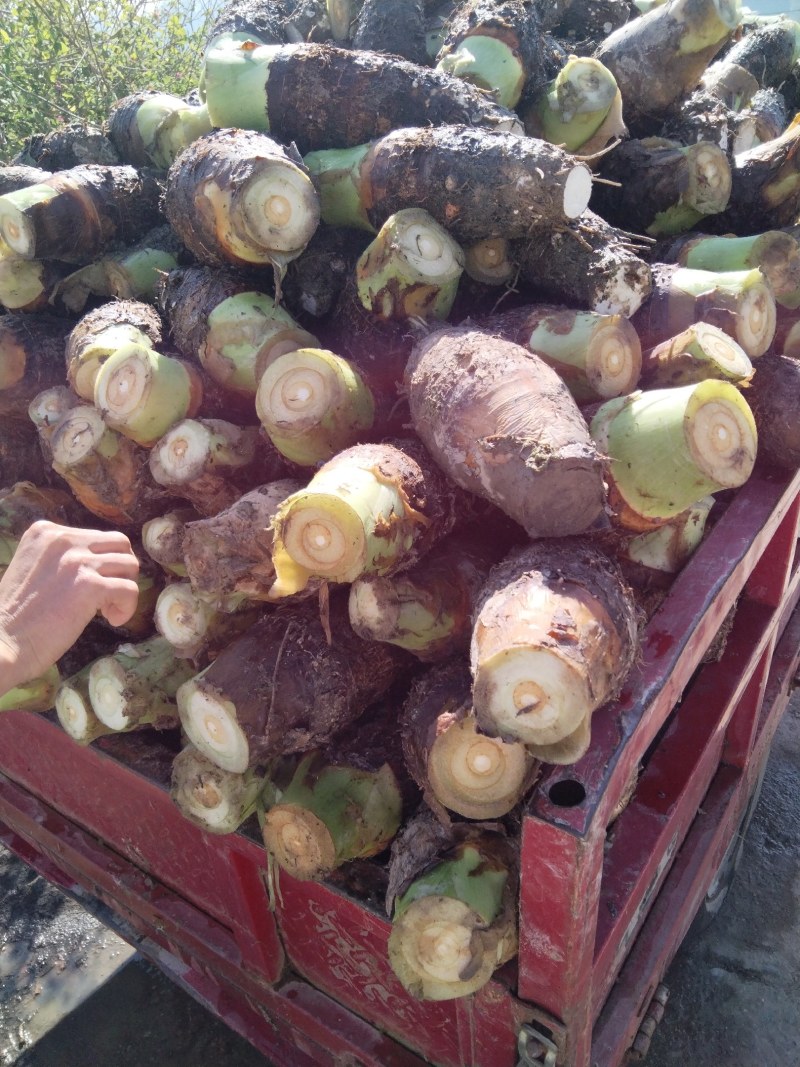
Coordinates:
57 581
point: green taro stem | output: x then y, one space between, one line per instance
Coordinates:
336 176
490 64
36 695
467 878
346 523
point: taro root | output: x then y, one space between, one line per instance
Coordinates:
554 637
503 425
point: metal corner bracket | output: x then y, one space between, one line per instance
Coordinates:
535 1049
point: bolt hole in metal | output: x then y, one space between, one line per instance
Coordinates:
568 793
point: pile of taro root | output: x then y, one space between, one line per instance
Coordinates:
410 350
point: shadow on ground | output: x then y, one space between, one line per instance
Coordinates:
139 1018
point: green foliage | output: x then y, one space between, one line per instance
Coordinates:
67 60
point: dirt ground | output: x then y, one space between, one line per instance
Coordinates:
73 995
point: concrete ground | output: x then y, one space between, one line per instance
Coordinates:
74 995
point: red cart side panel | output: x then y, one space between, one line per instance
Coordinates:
112 878
669 919
592 909
646 837
565 828
559 892
296 1026
697 861
342 948
138 818
649 836
675 641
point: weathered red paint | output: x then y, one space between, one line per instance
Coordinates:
137 818
601 912
288 1023
341 947
695 866
580 906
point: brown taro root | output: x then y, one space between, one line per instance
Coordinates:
554 637
136 686
497 45
67 146
260 20
454 913
476 183
702 117
162 539
315 280
768 51
598 356
765 185
30 284
773 396
503 425
592 20
663 187
222 319
775 252
455 765
666 449
230 553
659 58
768 113
197 628
129 273
372 509
701 351
427 609
211 462
739 302
349 97
19 176
588 264
284 687
235 196
106 472
31 359
101 332
397 28
345 801
77 214
149 129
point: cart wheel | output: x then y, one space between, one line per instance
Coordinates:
723 879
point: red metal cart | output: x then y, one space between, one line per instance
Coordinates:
602 910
